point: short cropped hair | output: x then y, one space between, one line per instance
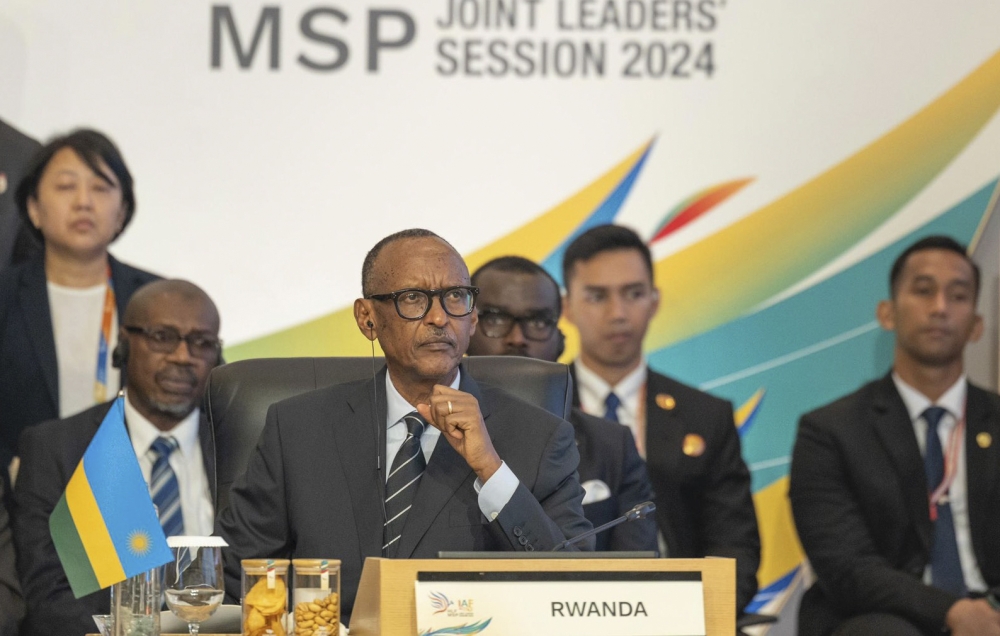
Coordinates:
518 265
604 238
935 242
91 147
368 267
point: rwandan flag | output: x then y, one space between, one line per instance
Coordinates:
105 527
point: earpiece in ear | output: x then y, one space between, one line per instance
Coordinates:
120 355
371 325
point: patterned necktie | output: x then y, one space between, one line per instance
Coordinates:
163 486
611 403
401 486
946 567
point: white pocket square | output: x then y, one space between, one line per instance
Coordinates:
596 490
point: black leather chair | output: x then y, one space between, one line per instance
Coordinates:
239 394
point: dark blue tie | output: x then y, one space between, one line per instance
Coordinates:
163 486
611 404
401 485
946 567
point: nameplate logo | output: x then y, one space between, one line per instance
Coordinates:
561 603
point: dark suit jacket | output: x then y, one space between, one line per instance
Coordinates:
50 452
29 373
312 489
608 453
703 502
16 150
859 497
11 603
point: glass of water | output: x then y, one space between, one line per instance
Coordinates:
193 583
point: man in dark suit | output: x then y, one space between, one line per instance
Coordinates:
519 309
168 344
688 438
16 149
11 602
895 488
420 458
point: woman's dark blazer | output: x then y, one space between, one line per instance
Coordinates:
29 373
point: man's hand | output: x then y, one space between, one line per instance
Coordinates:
969 617
456 414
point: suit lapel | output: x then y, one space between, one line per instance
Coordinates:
664 434
206 437
34 302
445 474
895 431
354 439
576 391
982 424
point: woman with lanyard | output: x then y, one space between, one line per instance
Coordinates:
59 310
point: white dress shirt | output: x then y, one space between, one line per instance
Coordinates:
593 391
76 329
953 401
187 462
493 495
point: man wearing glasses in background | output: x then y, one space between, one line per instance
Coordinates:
417 459
167 346
519 308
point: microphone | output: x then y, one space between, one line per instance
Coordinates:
640 511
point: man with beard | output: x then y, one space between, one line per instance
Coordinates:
168 343
895 488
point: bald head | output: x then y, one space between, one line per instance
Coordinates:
169 342
373 270
168 291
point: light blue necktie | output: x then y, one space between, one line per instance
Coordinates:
611 403
946 567
163 486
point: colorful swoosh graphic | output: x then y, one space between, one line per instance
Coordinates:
695 206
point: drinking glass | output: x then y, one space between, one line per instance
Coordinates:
193 584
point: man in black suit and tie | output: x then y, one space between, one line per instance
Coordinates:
360 470
688 438
519 306
168 344
895 488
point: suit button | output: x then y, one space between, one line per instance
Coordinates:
523 540
529 548
517 531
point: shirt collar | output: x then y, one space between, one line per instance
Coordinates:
143 432
396 405
597 389
953 400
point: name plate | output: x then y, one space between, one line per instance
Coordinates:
561 603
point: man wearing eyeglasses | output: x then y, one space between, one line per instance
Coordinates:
168 343
519 308
418 459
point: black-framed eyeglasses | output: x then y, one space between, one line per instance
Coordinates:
166 339
414 304
495 323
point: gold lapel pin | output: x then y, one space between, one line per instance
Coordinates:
665 401
694 445
985 440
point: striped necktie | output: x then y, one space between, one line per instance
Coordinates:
946 566
401 486
163 486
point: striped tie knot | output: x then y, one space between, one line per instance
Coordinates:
415 425
163 447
